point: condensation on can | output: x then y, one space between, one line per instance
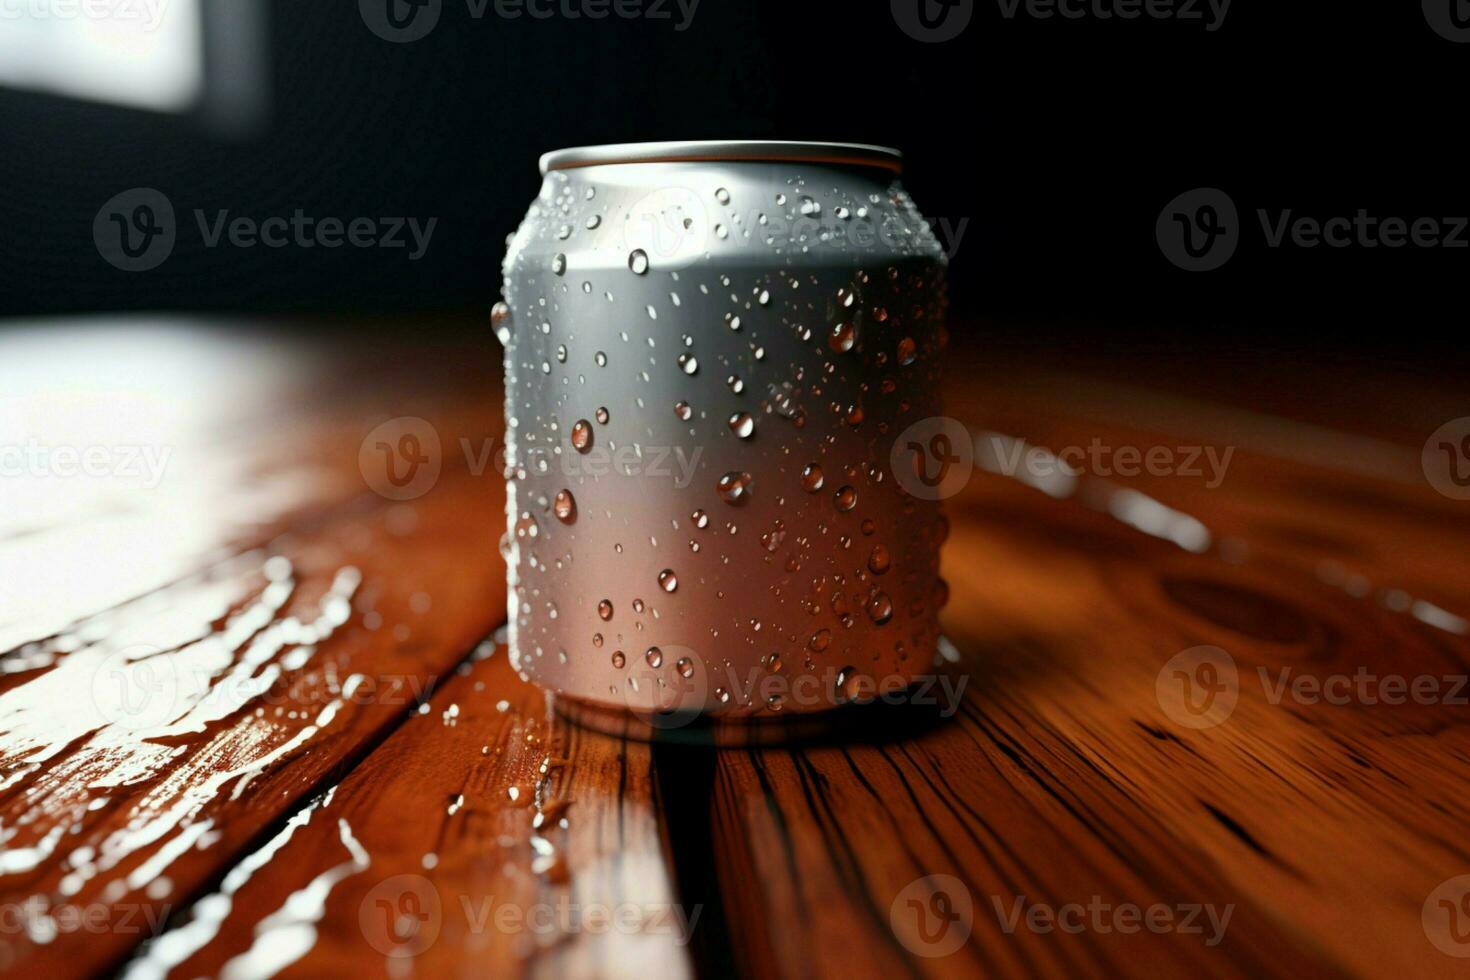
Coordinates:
709 353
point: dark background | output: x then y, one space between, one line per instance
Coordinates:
1060 141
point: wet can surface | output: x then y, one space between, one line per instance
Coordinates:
713 352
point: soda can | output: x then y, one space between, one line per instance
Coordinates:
711 350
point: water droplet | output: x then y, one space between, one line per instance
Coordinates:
775 702
879 560
685 667
593 221
843 336
811 478
500 321
845 498
820 640
654 656
733 486
601 359
605 610
722 195
701 519
561 353
742 425
688 363
565 506
880 608
582 435
638 605
602 416
667 580
618 660
683 410
638 261
559 264
810 207
906 351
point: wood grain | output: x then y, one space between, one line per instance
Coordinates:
355 788
1063 779
487 837
146 742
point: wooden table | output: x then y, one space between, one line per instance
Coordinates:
254 718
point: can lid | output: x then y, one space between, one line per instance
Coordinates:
846 154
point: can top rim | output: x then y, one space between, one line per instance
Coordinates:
688 151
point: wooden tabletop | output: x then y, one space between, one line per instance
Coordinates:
255 721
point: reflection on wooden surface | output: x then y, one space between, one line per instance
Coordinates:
253 720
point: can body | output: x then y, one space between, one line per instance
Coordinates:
707 364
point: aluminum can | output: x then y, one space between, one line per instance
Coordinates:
712 352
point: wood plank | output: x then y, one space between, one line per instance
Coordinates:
238 632
486 837
1064 779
